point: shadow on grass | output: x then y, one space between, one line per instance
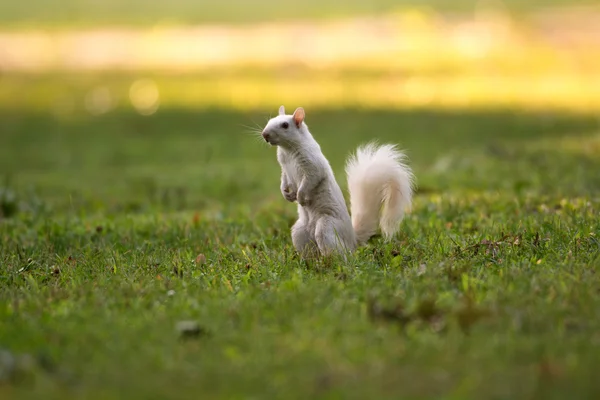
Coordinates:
179 159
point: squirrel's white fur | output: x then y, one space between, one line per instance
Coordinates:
379 182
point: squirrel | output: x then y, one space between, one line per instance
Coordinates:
380 185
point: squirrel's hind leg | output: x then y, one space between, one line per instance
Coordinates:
303 242
331 237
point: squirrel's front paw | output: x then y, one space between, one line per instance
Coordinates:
288 194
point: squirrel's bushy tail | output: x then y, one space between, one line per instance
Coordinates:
381 188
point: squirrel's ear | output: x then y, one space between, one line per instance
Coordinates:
282 110
299 116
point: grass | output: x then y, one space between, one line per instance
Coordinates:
88 13
118 226
124 214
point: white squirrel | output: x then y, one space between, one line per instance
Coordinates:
380 186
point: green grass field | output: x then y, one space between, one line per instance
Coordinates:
116 227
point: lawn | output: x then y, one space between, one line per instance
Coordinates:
118 226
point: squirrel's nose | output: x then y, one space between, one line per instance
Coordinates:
265 135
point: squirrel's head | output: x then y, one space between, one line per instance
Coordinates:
286 130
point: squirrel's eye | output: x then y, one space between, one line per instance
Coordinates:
285 125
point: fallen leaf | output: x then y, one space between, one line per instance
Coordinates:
200 259
196 218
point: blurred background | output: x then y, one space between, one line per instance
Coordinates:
109 105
